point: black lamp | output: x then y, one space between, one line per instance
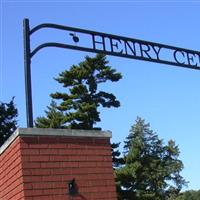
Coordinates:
73 187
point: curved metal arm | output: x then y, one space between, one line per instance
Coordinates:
64 46
60 45
60 27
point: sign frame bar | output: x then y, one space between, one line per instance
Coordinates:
28 54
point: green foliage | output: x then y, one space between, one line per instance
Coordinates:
8 122
79 105
152 169
54 118
189 195
117 161
116 156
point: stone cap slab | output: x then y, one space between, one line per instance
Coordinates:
54 132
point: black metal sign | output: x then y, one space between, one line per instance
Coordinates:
98 42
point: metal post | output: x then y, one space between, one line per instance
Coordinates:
27 70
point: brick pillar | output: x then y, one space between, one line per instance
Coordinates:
39 164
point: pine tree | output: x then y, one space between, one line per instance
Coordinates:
79 104
8 122
152 169
117 160
54 118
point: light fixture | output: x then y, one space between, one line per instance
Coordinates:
73 187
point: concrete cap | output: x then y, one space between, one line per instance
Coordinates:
54 132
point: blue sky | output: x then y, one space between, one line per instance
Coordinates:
168 97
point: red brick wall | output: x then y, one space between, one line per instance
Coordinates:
11 180
50 162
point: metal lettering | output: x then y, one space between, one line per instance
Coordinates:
98 42
145 51
157 51
128 46
115 43
190 59
175 56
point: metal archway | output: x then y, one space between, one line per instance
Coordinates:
108 44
